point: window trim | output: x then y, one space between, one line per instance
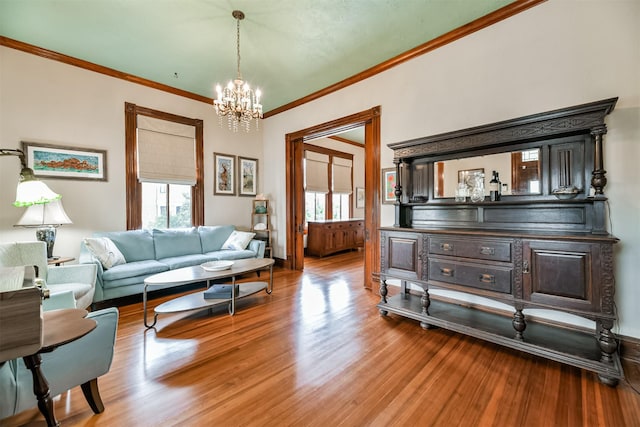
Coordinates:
329 195
133 186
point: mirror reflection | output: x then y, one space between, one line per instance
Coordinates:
518 173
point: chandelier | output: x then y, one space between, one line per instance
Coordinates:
237 101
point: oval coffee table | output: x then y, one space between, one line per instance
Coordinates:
196 273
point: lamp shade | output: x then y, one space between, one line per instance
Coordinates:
46 214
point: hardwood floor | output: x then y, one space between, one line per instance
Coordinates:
317 353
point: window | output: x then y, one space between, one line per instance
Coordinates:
341 206
314 206
328 182
175 197
166 205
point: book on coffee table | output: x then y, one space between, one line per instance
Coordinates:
220 292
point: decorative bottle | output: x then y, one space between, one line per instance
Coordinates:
494 187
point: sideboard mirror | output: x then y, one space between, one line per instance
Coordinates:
550 168
519 173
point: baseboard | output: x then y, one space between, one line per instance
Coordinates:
630 349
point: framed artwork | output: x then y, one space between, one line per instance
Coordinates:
61 161
388 185
248 176
224 174
467 177
359 197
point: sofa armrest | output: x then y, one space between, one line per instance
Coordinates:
257 247
58 301
80 273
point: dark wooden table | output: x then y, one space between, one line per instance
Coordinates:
59 327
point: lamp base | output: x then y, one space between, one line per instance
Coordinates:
47 235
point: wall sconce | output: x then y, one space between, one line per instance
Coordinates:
30 191
45 218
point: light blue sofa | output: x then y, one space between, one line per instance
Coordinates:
149 252
80 362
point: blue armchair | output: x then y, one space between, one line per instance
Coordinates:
80 279
80 362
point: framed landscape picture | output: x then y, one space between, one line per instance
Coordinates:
60 161
388 185
359 197
248 176
224 174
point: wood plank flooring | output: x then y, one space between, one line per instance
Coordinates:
317 353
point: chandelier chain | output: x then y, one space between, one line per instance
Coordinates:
238 46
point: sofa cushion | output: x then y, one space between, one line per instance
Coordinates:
133 269
176 242
105 250
214 236
185 260
135 245
238 240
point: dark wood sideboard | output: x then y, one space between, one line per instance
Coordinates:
331 236
542 245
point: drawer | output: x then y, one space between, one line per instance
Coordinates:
476 276
494 250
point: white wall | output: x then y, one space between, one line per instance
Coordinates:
557 54
47 101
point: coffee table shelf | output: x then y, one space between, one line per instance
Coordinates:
197 301
194 274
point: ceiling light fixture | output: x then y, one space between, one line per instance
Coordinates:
238 102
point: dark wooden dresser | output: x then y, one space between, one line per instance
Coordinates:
331 236
541 248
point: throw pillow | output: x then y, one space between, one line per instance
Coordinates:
105 250
238 240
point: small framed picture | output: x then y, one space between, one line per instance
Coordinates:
359 197
224 174
388 185
248 176
60 161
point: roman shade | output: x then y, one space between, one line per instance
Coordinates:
316 173
166 151
342 177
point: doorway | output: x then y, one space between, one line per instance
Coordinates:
370 119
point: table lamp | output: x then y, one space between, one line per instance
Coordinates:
45 218
30 191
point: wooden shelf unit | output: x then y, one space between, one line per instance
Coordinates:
260 215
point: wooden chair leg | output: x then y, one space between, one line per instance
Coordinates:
92 394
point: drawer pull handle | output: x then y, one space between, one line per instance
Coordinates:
446 272
488 278
484 250
446 247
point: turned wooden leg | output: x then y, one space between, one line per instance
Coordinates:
425 301
519 323
92 394
41 389
608 347
383 296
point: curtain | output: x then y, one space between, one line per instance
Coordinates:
342 176
166 151
316 173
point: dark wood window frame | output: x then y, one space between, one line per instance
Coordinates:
329 196
134 188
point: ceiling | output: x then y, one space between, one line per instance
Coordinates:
289 48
